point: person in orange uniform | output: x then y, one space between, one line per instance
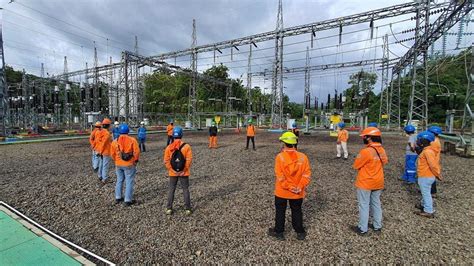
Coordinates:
293 175
428 170
342 137
92 141
125 152
296 131
250 134
370 180
104 140
436 130
169 132
213 136
177 159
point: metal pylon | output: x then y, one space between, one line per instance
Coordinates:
467 130
192 101
4 112
418 104
277 84
249 81
385 90
307 85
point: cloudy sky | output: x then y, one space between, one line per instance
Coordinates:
40 31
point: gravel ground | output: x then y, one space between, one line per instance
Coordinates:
231 190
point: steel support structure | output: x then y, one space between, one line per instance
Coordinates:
307 85
277 84
467 130
417 54
385 89
4 108
192 86
249 81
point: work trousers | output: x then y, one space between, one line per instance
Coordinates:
212 141
296 214
103 172
95 161
434 189
410 168
253 142
369 202
170 140
184 180
425 188
127 174
342 147
141 144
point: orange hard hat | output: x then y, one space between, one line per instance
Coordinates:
106 121
371 131
98 124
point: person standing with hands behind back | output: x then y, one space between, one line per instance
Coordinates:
250 134
293 175
178 158
370 180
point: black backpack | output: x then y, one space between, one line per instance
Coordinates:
126 156
178 161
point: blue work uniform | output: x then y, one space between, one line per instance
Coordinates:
142 138
409 175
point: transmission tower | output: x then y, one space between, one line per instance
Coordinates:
67 96
307 89
96 96
249 81
467 130
385 91
277 86
418 104
192 88
4 112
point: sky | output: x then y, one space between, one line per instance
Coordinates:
40 31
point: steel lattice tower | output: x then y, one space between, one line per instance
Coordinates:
249 81
4 112
277 86
307 84
192 88
385 91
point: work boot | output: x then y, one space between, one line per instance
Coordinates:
130 203
425 214
345 158
246 148
271 232
254 149
357 230
301 236
117 201
96 170
419 206
188 212
169 211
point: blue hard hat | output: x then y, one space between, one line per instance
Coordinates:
426 135
372 124
124 129
435 130
342 124
177 132
409 129
294 125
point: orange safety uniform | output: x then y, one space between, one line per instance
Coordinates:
370 166
292 170
103 142
436 145
342 135
169 130
125 144
250 130
428 164
187 153
93 137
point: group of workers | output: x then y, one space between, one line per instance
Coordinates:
292 169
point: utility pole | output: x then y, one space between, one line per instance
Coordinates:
97 97
277 86
384 91
249 81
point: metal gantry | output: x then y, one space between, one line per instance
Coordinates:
277 81
4 112
467 129
384 109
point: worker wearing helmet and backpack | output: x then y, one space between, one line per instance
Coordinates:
370 180
178 158
428 170
169 133
293 175
436 130
103 149
342 137
92 142
125 152
409 175
213 136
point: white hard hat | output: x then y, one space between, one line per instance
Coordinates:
116 123
142 123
